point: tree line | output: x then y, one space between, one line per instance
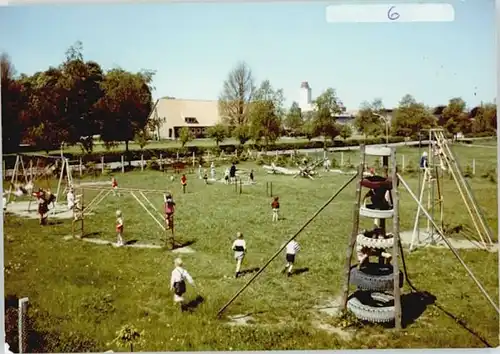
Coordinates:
72 103
256 112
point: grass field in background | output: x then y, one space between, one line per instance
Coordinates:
82 293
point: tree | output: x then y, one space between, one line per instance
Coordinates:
218 133
293 120
125 107
13 104
185 136
266 112
411 117
367 120
326 108
48 126
82 83
308 128
484 118
345 131
237 93
142 137
127 337
455 116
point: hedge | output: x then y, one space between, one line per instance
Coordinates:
171 152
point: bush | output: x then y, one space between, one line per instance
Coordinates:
153 164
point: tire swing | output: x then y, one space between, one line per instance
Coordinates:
371 302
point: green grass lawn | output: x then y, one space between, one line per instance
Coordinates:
82 293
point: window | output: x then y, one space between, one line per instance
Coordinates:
191 120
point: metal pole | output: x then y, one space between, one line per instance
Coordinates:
286 243
450 246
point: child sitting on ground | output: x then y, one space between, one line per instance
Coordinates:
291 251
240 248
169 208
275 205
119 228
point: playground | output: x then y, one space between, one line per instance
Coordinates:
77 282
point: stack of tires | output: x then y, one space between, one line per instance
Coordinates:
374 300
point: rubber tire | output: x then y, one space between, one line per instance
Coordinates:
364 241
377 151
365 306
375 277
376 214
372 183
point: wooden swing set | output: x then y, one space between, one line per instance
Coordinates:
29 176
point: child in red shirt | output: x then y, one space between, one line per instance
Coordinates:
275 205
184 183
114 185
169 209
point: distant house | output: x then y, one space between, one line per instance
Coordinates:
174 114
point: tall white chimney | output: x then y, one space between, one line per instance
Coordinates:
305 99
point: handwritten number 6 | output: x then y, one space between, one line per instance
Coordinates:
393 15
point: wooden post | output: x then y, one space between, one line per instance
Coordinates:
473 167
395 249
161 162
355 230
142 162
341 159
271 194
241 186
403 163
102 164
80 167
194 158
177 155
122 160
3 169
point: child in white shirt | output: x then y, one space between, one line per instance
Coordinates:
178 282
70 199
240 248
291 250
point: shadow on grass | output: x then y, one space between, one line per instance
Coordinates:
131 242
413 305
193 304
92 234
299 271
52 223
183 244
249 271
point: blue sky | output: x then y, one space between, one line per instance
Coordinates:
192 47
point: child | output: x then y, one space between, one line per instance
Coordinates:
70 198
114 186
226 176
169 209
291 251
178 282
200 169
119 228
205 177
251 176
232 173
275 205
423 160
184 183
240 248
212 171
43 207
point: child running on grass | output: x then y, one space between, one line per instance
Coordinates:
240 248
291 251
275 205
119 228
178 282
114 186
